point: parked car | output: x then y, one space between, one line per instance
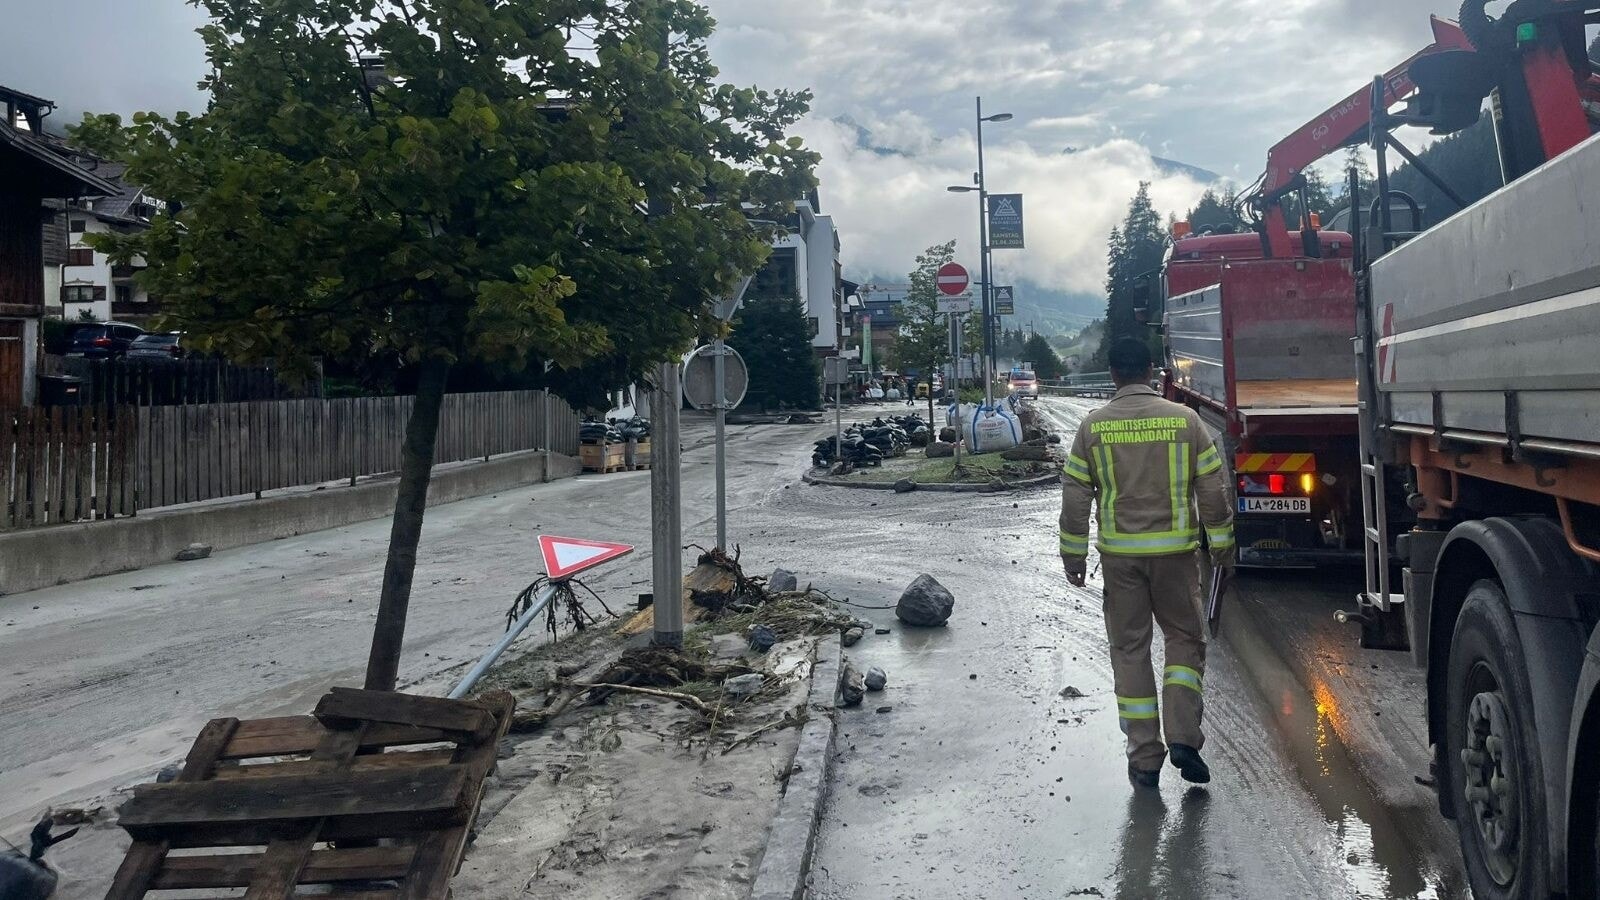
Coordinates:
106 340
158 346
1024 383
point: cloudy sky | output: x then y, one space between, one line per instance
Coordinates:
1211 83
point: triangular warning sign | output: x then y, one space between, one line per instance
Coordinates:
565 557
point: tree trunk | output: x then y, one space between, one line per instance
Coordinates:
410 502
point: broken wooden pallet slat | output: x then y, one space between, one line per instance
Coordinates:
143 861
291 735
236 869
347 704
342 895
286 855
422 790
343 829
273 816
401 759
439 854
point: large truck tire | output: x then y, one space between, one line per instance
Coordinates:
1585 878
1492 753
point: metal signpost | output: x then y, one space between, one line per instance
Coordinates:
953 280
985 258
563 558
866 342
716 378
836 372
723 398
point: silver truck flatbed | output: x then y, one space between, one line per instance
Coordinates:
1489 324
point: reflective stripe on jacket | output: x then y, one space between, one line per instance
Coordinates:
1155 470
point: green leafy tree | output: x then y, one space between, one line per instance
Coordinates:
1046 364
774 337
924 341
443 181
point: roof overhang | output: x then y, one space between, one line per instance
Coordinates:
52 174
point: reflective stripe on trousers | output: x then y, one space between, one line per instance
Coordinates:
1141 592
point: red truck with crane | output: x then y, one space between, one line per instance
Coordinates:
1464 431
1258 328
1478 343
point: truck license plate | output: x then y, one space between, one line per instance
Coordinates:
1289 506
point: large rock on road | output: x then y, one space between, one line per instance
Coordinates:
926 602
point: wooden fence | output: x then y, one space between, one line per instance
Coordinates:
65 465
160 382
69 464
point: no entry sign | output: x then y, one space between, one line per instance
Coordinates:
953 279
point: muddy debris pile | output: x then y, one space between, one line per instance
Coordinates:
870 443
737 655
768 611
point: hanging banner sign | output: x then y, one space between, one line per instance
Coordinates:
1005 303
1005 222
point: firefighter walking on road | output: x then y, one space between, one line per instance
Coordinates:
1151 465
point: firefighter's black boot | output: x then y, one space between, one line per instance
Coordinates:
1189 764
1141 778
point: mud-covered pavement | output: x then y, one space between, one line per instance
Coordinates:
980 781
984 781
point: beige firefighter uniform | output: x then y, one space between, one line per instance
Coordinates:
1151 465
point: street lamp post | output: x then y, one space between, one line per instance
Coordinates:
985 259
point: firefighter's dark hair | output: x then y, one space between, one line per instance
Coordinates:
1129 359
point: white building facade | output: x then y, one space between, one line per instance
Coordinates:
86 286
805 265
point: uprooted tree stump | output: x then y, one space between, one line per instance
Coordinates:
718 581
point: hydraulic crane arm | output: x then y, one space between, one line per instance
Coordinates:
1343 124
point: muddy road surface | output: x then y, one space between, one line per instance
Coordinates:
105 680
979 780
985 781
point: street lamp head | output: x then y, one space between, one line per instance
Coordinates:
999 117
960 189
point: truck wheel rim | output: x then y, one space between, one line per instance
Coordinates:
1491 782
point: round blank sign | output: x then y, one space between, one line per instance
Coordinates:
699 378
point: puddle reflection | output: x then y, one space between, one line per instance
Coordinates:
1164 851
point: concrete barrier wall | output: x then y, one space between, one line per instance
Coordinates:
42 557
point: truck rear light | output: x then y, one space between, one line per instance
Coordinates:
1278 484
102 342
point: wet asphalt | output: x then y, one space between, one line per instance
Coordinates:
981 780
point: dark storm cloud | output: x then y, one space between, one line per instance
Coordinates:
1212 83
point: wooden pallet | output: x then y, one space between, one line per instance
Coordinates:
319 800
603 458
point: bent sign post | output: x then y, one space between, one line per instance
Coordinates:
563 558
